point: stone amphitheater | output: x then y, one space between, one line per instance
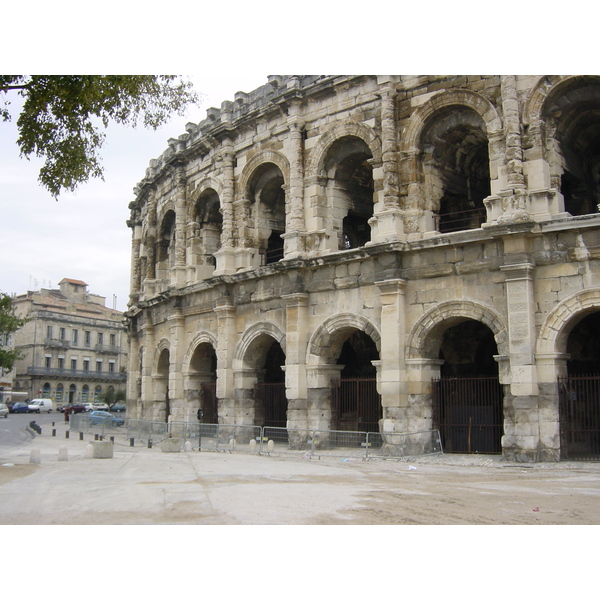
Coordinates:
387 254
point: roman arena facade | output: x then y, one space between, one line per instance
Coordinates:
378 253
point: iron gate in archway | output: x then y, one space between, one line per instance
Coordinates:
356 405
468 413
579 409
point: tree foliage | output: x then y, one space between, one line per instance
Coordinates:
62 116
9 323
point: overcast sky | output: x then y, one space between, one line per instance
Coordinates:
84 235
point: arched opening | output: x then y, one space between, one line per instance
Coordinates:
59 392
162 383
356 405
97 392
268 205
85 393
455 159
575 116
46 390
210 222
468 398
350 175
72 393
201 388
270 398
165 256
579 392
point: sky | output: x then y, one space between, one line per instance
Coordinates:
84 234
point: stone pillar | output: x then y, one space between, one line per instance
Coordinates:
513 198
176 354
147 397
295 227
151 237
225 255
180 228
226 334
521 411
320 381
136 267
295 361
392 372
133 374
388 221
418 408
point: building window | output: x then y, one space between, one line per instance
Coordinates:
61 362
75 336
63 334
100 339
86 364
74 364
48 361
87 338
111 366
113 339
49 332
99 366
59 392
85 393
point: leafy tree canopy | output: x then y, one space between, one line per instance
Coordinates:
9 323
61 116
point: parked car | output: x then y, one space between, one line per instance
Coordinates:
19 407
41 404
89 407
118 408
101 417
100 406
73 408
3 410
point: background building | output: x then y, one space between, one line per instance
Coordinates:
387 253
74 347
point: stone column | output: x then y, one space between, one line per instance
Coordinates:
320 381
176 354
521 412
226 334
295 360
146 401
295 226
388 221
151 237
392 371
514 196
225 255
136 267
180 227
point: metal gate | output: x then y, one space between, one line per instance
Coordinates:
468 413
579 409
208 401
272 398
356 405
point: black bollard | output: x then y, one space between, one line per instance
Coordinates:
67 434
81 436
54 433
149 443
131 442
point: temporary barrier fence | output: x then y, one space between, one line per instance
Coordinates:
272 440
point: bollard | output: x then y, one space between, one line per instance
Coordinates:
63 453
81 436
95 437
188 446
131 442
67 434
89 451
252 445
112 439
35 457
54 433
149 443
270 446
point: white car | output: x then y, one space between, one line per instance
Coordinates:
89 406
99 406
3 410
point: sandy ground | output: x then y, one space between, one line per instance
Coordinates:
146 486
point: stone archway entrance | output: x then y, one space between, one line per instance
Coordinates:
579 393
271 401
468 397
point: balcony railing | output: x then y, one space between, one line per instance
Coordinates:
76 373
53 343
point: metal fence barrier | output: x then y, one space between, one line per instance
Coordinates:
269 440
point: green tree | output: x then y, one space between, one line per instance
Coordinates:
61 117
9 323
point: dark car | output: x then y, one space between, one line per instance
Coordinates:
73 408
19 407
101 417
117 408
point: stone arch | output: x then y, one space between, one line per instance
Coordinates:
263 157
250 336
554 333
324 342
208 183
163 344
316 161
422 114
202 337
425 337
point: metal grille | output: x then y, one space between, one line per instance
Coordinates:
356 405
468 413
579 407
461 220
271 397
209 402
